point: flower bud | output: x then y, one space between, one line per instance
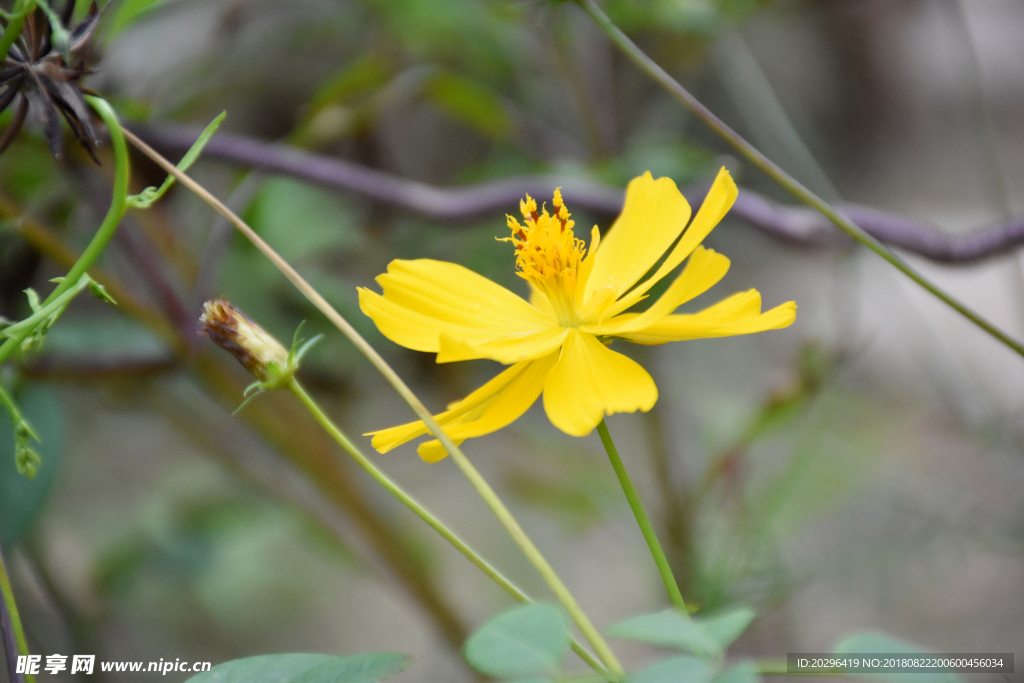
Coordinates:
253 346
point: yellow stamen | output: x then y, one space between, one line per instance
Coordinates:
548 254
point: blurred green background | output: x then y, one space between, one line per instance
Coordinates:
862 469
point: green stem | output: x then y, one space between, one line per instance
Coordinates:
490 498
13 30
781 177
7 402
59 37
641 518
12 611
531 551
424 514
110 222
45 311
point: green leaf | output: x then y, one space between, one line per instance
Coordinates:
145 199
22 499
522 641
364 668
33 299
363 76
300 347
128 12
689 669
306 668
302 221
100 292
727 626
471 103
871 642
670 628
744 672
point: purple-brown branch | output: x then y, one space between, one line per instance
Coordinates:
795 224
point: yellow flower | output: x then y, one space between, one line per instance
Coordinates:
557 342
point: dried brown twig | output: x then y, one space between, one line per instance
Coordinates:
793 224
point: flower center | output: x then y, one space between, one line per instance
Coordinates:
548 255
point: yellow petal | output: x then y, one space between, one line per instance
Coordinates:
587 265
540 301
739 306
424 298
454 294
652 218
597 307
703 270
739 314
386 439
510 349
403 326
717 203
505 408
591 381
433 451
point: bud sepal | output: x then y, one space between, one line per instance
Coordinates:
255 348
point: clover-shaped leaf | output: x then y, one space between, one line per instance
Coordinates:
670 628
306 668
521 642
727 626
689 669
744 672
869 642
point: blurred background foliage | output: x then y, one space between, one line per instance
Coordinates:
860 470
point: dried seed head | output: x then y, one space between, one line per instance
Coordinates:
253 346
41 77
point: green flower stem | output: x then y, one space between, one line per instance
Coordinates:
781 177
110 222
12 611
13 30
641 518
529 549
493 502
91 253
59 36
424 514
7 402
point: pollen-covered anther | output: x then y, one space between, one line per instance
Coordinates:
548 253
562 213
528 208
